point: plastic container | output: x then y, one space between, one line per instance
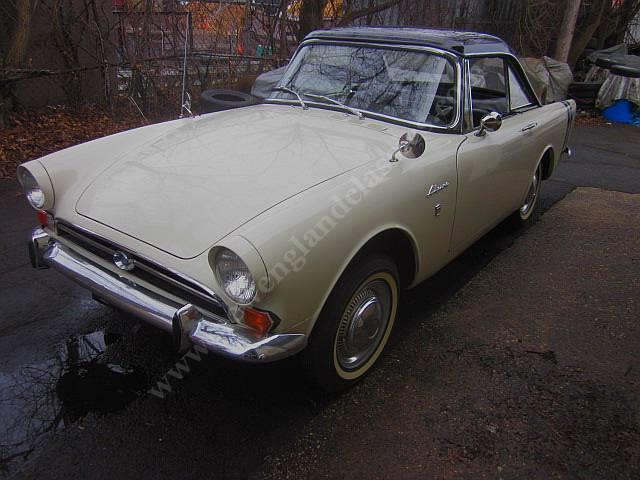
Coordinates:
620 112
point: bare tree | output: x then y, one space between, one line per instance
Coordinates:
351 15
17 15
17 50
567 28
615 22
311 16
608 20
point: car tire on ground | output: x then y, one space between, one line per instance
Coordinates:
626 71
354 325
605 62
529 211
585 94
219 99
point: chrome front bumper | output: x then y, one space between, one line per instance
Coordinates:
187 324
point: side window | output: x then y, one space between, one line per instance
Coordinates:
518 95
488 87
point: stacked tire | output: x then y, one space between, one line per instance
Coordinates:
218 99
625 71
585 94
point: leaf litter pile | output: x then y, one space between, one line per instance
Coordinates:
35 134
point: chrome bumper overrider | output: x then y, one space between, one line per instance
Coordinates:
187 324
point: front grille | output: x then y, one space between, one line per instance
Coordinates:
150 272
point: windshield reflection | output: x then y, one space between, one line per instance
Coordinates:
410 85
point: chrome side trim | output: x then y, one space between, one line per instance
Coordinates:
467 113
188 324
455 59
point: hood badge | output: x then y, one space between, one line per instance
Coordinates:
436 188
123 261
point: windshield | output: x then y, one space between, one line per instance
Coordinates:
417 86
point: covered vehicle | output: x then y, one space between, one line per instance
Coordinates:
293 226
266 82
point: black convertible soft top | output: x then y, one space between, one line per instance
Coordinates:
460 43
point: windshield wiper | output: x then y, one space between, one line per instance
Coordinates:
293 92
349 109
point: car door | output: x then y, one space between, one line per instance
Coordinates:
494 168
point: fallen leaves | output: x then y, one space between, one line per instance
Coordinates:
35 134
590 119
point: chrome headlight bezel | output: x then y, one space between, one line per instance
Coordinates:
234 276
36 185
32 189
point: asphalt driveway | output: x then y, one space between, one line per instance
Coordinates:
520 359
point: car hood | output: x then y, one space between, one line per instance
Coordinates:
202 178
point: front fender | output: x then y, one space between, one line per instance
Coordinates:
307 243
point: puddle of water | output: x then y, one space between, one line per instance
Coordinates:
88 374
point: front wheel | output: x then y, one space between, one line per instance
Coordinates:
354 325
529 209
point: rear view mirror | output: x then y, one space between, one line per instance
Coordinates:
411 145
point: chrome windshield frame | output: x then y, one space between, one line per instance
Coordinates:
454 127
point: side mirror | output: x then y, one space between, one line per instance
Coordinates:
410 145
489 123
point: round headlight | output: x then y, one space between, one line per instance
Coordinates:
234 276
34 193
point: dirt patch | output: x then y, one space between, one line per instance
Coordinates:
591 119
489 411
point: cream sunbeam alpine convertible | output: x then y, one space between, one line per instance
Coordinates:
292 226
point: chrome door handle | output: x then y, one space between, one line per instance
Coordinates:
530 126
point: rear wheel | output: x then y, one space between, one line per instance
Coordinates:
529 209
354 325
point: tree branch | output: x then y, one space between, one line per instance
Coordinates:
351 16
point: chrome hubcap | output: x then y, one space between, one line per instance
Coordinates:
532 195
363 324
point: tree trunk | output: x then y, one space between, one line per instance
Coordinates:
350 16
284 41
586 30
16 55
62 21
567 29
311 12
17 51
625 15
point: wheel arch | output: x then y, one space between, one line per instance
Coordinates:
383 240
548 160
398 244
